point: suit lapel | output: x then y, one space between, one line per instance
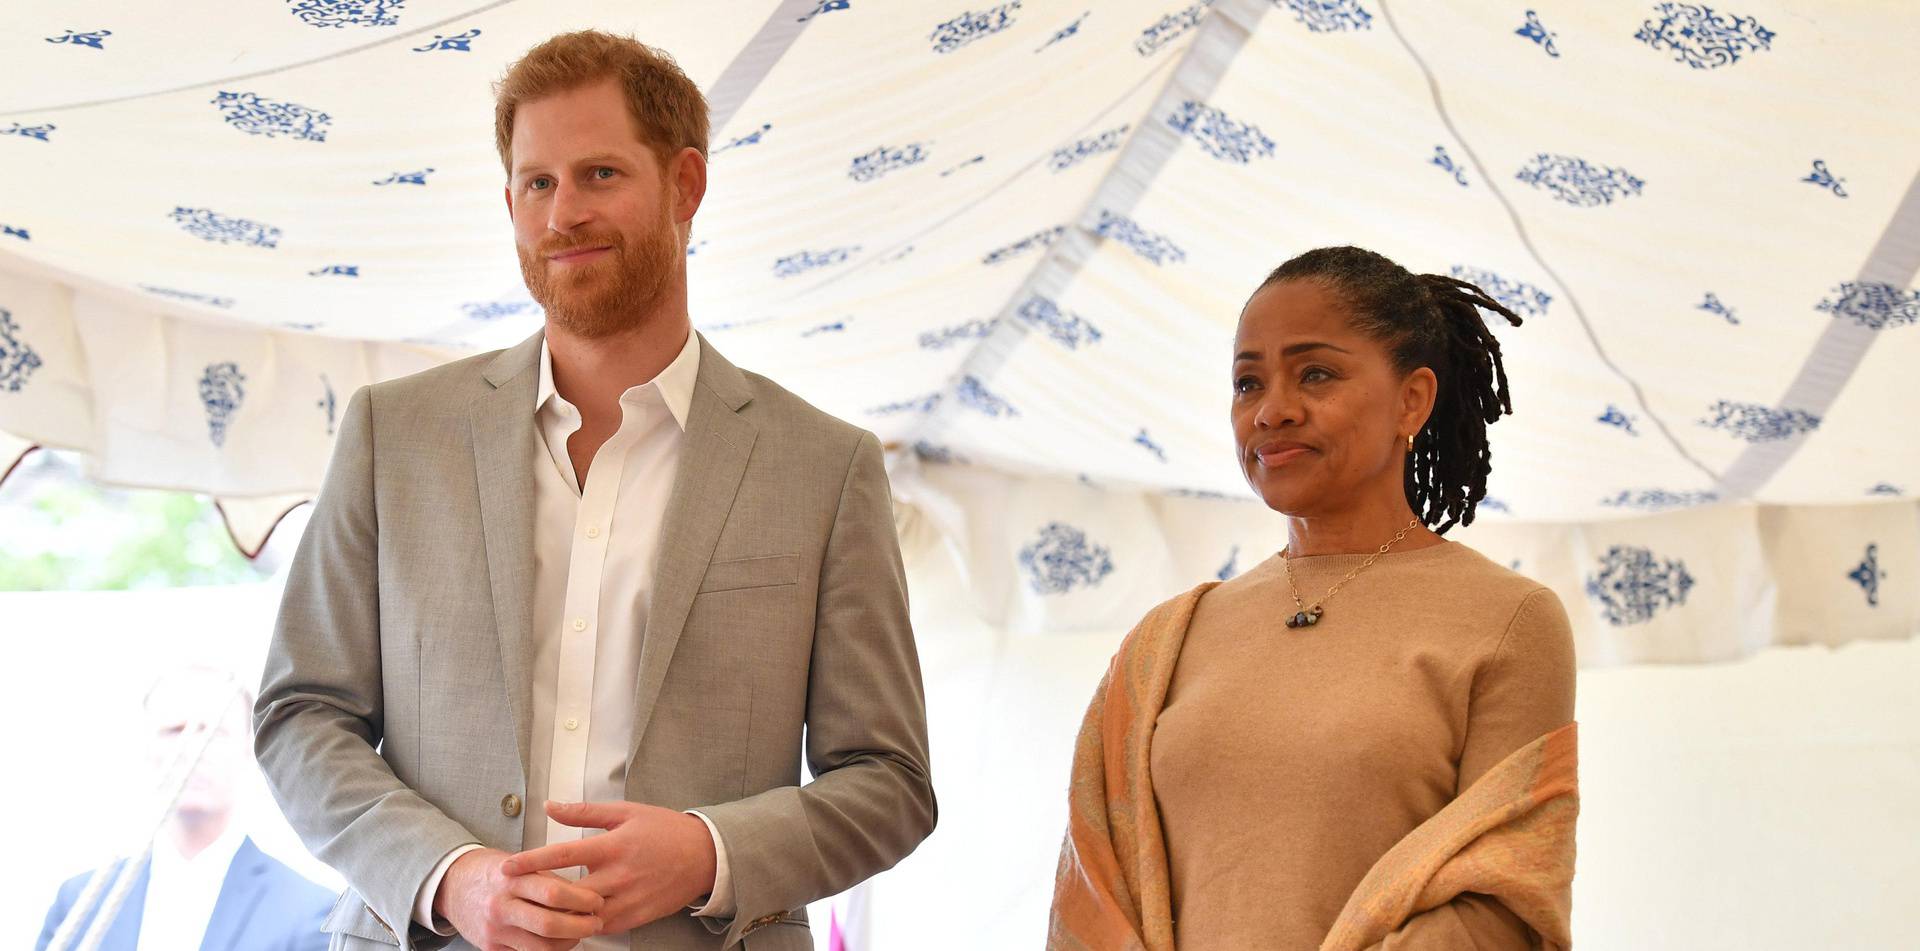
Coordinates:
713 460
502 423
240 894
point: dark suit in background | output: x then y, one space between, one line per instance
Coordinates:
263 906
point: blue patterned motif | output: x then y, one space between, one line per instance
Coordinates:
90 39
1491 504
974 395
1884 488
1065 31
751 138
1614 417
939 455
1171 27
1756 423
1535 31
1153 246
800 262
1068 329
484 311
222 391
829 328
212 226
1875 305
1713 305
1868 575
1067 156
1658 500
1328 16
1825 179
1517 296
1061 560
208 299
1577 182
1446 163
971 26
17 359
406 178
885 159
1701 38
1145 441
326 404
825 6
945 337
336 270
30 131
1039 239
344 13
256 116
1232 566
9 231
1219 135
458 43
1632 585
918 404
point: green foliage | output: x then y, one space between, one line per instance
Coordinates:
61 532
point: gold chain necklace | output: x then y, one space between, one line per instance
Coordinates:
1309 616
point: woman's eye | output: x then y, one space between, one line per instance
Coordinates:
1245 384
1315 375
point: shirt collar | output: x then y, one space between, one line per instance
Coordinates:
675 383
214 858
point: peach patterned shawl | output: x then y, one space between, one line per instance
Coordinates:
1509 836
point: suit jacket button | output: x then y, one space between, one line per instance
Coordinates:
510 806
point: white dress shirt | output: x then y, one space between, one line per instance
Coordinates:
594 557
181 891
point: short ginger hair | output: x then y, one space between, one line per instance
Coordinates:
668 110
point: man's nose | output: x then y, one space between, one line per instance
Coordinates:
569 209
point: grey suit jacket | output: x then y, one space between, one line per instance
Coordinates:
393 725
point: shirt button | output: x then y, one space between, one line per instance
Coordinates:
572 723
579 624
593 531
510 806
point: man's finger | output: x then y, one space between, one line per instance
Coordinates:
519 940
558 855
589 815
555 892
547 923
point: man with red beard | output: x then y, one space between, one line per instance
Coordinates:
568 616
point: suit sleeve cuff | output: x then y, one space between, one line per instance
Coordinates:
720 900
423 903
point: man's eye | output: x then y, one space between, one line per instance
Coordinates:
539 182
603 173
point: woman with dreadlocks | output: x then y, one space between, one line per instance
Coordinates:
1366 741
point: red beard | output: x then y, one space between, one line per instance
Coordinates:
606 296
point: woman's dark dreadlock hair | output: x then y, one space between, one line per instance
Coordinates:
1427 320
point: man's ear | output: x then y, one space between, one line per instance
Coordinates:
688 172
506 191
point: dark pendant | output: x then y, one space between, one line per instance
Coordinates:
1298 620
1313 617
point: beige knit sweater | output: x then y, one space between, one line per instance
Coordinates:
1286 761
